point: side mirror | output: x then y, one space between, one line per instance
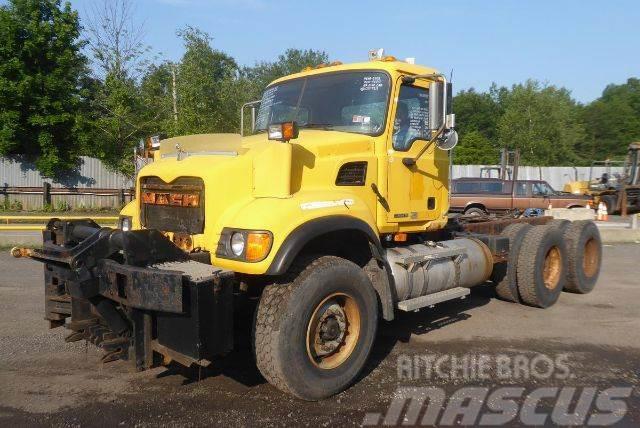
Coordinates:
436 106
440 107
449 141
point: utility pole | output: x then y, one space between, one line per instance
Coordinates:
174 93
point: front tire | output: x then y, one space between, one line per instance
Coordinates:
313 334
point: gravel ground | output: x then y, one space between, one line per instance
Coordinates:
44 381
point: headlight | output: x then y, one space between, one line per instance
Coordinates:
246 245
237 243
124 223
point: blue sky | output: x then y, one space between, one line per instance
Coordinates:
581 45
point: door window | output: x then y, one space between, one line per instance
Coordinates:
521 188
412 117
542 189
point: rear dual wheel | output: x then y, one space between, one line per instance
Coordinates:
584 249
560 255
504 274
542 266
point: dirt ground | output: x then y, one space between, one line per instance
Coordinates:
45 381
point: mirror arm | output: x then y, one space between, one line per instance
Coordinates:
412 161
249 104
409 162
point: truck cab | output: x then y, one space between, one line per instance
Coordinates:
356 128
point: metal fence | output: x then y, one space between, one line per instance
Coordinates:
93 185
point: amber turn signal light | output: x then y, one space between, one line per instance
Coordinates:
258 246
400 237
284 131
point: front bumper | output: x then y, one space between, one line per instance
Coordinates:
135 295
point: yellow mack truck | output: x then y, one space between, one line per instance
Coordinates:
331 215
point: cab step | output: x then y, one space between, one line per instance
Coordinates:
432 299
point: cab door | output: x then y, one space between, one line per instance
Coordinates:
522 195
416 193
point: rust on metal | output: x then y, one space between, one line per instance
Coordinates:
19 252
143 288
495 227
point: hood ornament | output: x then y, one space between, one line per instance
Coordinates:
179 151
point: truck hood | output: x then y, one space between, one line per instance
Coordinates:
235 144
236 171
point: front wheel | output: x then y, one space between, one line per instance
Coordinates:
313 334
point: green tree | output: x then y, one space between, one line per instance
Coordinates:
542 121
475 149
204 75
291 61
612 121
156 89
41 67
118 122
476 111
119 116
477 114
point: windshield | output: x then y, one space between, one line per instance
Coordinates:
349 102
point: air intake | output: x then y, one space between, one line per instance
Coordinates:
352 174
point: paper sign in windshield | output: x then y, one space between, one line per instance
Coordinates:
371 83
361 119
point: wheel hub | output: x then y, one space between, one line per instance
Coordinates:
331 329
552 268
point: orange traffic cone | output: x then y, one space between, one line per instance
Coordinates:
599 213
605 213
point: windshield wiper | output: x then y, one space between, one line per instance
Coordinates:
317 126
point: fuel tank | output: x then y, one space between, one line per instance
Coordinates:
423 269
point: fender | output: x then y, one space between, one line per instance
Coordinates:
304 233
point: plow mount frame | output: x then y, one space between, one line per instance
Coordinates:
134 294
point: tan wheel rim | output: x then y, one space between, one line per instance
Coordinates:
591 258
552 268
333 331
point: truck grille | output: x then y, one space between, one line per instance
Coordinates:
172 207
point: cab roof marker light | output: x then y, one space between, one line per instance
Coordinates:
376 54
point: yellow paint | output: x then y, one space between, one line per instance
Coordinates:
272 172
254 183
